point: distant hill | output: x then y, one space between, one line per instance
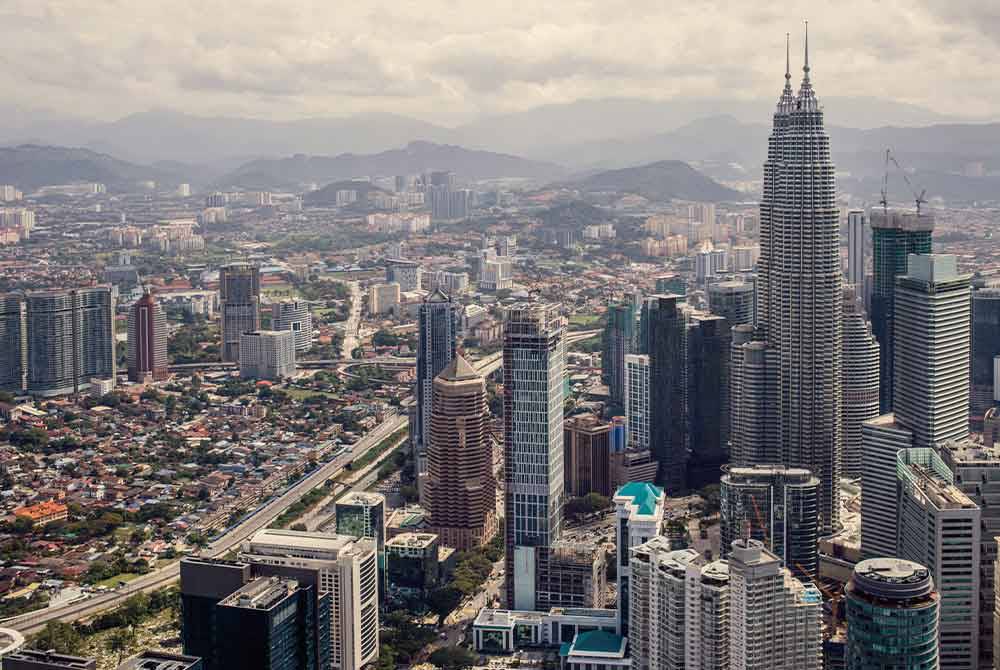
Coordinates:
327 196
574 215
663 180
416 157
31 166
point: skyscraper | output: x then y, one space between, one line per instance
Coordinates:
985 347
239 296
639 512
587 456
361 515
71 339
460 492
147 340
859 386
708 351
534 360
799 290
267 354
294 315
620 339
895 235
13 342
733 300
856 251
668 417
637 401
437 329
892 616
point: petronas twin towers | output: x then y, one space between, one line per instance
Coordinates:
787 404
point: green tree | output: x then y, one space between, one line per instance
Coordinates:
120 641
443 601
453 658
62 637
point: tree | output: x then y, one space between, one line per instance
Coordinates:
453 658
386 658
443 601
62 637
120 641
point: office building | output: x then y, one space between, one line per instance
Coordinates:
882 439
70 338
733 300
939 527
437 332
620 339
895 236
799 291
637 401
753 406
574 574
152 659
639 514
777 506
413 567
931 350
239 299
534 362
460 491
709 344
668 417
361 515
403 272
35 659
14 339
892 616
147 341
985 348
270 623
774 619
204 584
495 275
856 235
267 354
338 565
587 456
859 386
294 315
383 298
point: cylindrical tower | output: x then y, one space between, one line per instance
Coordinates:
859 384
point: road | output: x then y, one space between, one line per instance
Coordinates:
232 538
353 322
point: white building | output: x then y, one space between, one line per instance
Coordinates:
294 315
267 354
859 379
639 511
774 619
9 193
496 275
344 567
403 272
383 298
882 438
637 401
856 251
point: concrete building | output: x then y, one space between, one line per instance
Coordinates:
882 439
892 616
668 380
534 360
267 354
239 300
338 565
294 315
152 659
985 349
939 527
753 405
147 341
709 344
403 272
774 619
506 631
620 340
495 275
779 507
637 401
895 236
460 491
383 298
70 339
733 300
639 514
437 333
856 235
361 515
204 583
587 456
34 659
13 342
574 575
413 568
860 383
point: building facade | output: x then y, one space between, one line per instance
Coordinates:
639 516
637 401
239 300
14 339
437 332
709 343
587 456
860 384
147 341
733 300
267 354
985 349
294 315
668 408
856 247
620 339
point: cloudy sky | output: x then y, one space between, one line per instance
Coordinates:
452 60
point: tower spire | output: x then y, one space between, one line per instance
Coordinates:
788 60
787 100
805 68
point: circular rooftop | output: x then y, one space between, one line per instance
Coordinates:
893 578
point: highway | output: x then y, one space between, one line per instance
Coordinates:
34 621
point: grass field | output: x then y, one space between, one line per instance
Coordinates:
112 582
302 394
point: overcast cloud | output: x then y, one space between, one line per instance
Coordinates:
452 60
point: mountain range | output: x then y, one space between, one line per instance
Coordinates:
663 180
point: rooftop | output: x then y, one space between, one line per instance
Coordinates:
160 660
597 642
644 495
262 593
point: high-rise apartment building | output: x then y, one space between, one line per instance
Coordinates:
620 339
939 526
70 339
639 514
709 344
753 404
892 616
338 565
856 235
895 235
13 342
147 340
985 348
460 491
361 515
534 360
799 294
668 410
931 350
383 298
777 506
239 299
267 354
733 300
859 386
294 315
774 619
437 332
637 401
882 439
403 272
587 456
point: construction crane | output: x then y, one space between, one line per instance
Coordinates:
919 197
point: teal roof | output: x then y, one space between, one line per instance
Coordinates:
564 649
597 641
644 495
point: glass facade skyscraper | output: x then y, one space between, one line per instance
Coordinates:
668 415
437 330
620 340
985 346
